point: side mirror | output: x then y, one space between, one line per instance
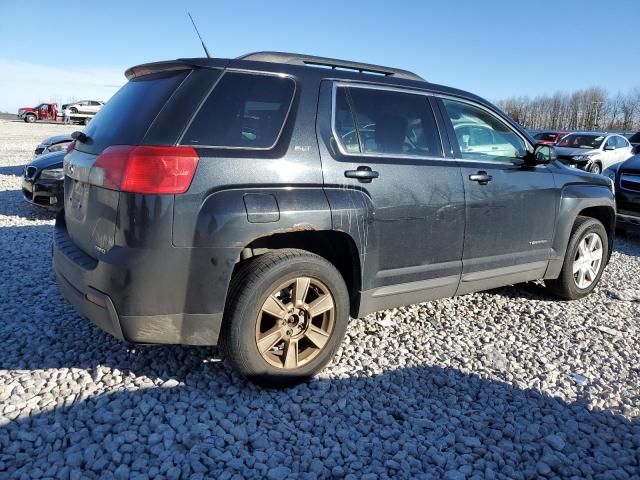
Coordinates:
542 154
609 147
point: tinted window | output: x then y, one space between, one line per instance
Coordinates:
582 140
388 122
483 136
545 136
635 138
243 110
345 123
125 118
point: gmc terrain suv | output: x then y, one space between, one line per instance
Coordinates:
260 202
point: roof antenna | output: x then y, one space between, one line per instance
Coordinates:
201 41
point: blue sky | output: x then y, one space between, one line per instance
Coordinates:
495 48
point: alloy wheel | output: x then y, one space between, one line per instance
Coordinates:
295 323
588 260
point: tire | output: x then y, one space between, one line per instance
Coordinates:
596 168
73 110
566 285
30 118
258 281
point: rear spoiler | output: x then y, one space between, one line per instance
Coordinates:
174 65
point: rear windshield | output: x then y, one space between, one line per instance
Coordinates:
125 118
243 111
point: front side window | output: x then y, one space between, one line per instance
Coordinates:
385 122
243 111
621 142
483 136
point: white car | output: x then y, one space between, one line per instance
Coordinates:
593 151
89 107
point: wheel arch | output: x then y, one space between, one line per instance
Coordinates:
594 201
337 247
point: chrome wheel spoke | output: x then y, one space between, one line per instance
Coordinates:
576 267
269 339
291 354
301 288
274 307
320 305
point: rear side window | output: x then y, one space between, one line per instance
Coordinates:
385 122
125 118
243 111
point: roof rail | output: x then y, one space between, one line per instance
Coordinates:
312 61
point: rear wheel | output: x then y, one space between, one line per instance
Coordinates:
286 315
584 260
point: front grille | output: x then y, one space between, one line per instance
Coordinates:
630 182
39 150
30 171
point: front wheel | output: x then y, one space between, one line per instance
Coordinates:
30 118
286 314
584 260
595 168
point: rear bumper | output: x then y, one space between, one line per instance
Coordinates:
82 281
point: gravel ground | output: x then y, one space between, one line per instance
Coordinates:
506 384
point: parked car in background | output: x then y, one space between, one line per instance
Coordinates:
228 201
57 143
549 137
593 151
44 111
43 181
90 107
626 178
634 140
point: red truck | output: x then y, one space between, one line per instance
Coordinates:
44 111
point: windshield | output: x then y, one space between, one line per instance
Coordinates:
548 136
581 140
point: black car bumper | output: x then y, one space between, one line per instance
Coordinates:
45 194
81 276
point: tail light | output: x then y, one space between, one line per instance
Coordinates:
142 169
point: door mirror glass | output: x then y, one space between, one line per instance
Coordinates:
544 154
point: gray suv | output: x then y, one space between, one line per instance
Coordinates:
259 202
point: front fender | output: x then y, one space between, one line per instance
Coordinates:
574 200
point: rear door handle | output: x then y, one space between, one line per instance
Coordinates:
481 177
364 174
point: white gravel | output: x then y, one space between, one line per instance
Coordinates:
507 384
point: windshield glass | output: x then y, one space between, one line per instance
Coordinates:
548 136
581 140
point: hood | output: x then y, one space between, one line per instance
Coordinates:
570 152
49 160
632 165
26 109
56 139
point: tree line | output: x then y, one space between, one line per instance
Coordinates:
590 109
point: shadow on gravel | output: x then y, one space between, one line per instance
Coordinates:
403 423
15 170
13 203
628 243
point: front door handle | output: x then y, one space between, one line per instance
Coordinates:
364 174
481 177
